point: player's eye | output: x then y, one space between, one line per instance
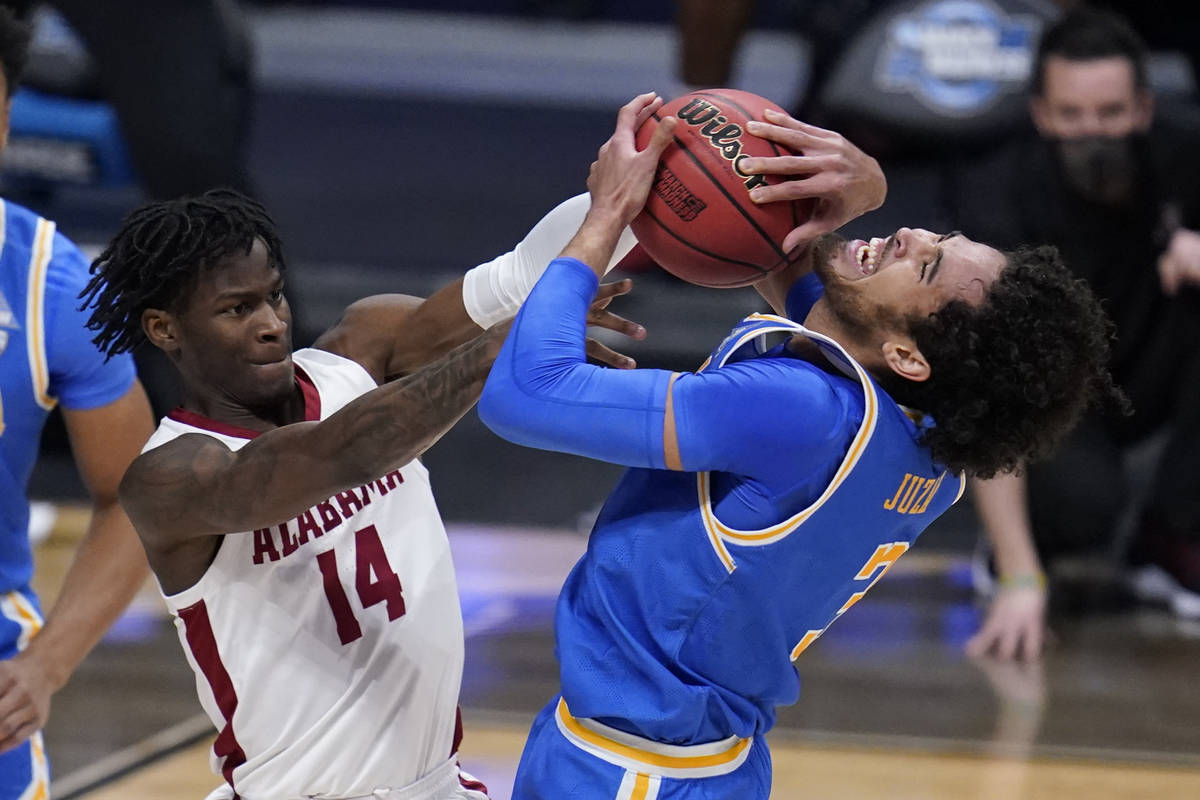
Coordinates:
923 268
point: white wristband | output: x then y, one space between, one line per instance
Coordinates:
493 292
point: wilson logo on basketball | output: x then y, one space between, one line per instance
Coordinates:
722 134
677 196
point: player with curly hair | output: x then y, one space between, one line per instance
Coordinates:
769 490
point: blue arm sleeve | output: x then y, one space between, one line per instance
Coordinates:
542 392
761 418
80 375
772 419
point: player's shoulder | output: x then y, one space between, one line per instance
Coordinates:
365 331
164 479
21 228
788 378
35 241
172 457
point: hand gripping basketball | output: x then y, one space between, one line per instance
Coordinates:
699 222
620 177
845 181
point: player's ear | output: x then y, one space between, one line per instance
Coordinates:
160 328
904 358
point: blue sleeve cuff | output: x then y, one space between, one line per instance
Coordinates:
542 393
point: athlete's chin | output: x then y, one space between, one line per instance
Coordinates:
825 252
270 384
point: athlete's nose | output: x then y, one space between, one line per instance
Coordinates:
914 240
272 324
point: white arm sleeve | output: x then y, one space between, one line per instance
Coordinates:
493 292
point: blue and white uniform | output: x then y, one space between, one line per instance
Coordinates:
46 357
676 631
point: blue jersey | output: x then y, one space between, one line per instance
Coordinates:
46 357
680 627
803 482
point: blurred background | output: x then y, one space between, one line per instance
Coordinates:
399 143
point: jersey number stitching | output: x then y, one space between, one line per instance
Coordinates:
374 580
879 563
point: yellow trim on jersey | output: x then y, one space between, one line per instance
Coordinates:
35 308
39 784
717 530
711 525
639 786
16 607
648 757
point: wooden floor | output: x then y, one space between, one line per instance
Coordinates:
800 772
890 707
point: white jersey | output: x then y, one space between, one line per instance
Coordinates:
328 650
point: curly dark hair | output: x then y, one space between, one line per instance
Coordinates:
1011 376
158 254
15 35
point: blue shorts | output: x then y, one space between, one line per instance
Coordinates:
24 773
567 758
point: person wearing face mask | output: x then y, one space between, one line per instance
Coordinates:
1118 192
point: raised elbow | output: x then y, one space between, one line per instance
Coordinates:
498 404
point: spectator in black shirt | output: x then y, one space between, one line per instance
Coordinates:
1118 191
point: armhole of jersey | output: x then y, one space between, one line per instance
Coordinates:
316 357
962 487
35 313
720 533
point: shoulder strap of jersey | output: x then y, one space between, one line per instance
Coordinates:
42 250
750 330
756 325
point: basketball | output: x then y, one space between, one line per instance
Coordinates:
699 223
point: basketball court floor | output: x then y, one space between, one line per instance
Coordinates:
387 172
890 708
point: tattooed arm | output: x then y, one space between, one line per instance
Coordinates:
183 495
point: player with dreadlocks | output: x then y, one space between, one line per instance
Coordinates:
282 506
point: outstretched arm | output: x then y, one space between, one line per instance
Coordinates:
195 486
393 335
542 394
1015 627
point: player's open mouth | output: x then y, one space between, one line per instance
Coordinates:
867 253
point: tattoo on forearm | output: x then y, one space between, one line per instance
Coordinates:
199 486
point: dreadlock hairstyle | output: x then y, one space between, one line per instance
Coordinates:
1011 376
158 254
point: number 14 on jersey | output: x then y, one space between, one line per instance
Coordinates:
374 581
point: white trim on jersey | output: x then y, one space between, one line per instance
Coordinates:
648 757
39 782
35 313
639 786
720 533
16 607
